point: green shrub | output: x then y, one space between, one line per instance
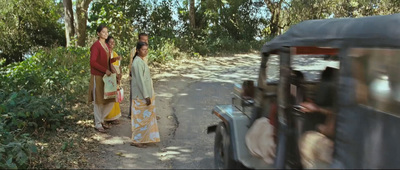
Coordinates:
37 94
15 150
21 110
165 52
60 72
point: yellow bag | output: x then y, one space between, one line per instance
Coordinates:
110 86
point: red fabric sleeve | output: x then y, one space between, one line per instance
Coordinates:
94 54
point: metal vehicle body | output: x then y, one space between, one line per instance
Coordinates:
368 96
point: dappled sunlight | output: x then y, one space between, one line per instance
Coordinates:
182 94
213 68
164 75
167 95
174 152
230 69
193 76
185 156
86 123
210 154
87 139
116 140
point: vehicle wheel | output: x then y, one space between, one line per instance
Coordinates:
223 150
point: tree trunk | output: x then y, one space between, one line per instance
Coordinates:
275 10
69 21
81 16
192 15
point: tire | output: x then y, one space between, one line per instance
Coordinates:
223 151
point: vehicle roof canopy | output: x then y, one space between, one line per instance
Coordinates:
372 31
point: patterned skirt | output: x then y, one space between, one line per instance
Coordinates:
144 122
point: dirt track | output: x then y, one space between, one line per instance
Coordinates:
186 92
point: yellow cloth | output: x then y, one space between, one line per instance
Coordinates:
144 122
116 63
114 114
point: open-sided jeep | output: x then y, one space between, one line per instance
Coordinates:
365 52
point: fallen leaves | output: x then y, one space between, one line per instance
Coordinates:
67 146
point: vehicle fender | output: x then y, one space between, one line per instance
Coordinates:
230 117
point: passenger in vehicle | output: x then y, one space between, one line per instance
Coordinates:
297 89
316 147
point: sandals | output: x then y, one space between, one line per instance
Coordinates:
115 122
139 145
101 130
105 126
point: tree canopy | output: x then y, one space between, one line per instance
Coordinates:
193 26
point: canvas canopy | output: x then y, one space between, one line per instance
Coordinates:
373 31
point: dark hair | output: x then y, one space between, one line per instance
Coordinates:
329 74
100 27
139 45
142 34
109 38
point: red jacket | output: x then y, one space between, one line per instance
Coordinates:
99 59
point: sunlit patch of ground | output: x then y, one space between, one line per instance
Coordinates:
235 68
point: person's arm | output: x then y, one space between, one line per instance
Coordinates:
94 54
115 58
310 107
324 111
328 128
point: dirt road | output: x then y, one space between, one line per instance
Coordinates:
186 92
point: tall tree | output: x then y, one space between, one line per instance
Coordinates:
192 15
300 10
28 25
79 19
275 8
82 17
69 21
124 19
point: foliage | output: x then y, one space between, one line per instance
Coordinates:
40 86
166 52
15 149
301 10
37 94
122 18
62 72
221 26
26 25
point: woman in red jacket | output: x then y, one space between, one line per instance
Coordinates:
100 65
